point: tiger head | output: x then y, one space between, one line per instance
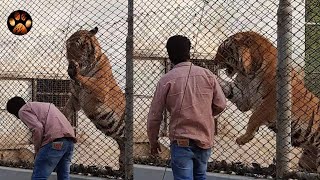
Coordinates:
246 58
83 48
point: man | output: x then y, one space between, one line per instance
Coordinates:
53 136
192 95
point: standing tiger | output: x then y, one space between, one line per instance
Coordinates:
251 60
94 88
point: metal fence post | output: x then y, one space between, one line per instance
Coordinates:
284 45
129 96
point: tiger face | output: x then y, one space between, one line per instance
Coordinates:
234 59
227 57
81 48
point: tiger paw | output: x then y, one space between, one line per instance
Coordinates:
73 70
243 139
19 22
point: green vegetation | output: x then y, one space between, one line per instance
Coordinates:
312 37
312 11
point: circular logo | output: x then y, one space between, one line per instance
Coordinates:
19 22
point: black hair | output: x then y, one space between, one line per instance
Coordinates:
14 105
178 48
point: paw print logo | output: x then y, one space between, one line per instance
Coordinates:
19 22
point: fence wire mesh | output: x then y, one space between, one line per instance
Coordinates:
209 24
35 66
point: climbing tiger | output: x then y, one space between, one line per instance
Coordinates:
251 59
94 88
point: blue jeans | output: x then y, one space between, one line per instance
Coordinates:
189 163
53 155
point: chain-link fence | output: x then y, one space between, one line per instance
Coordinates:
209 24
35 66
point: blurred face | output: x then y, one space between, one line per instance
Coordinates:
14 105
178 48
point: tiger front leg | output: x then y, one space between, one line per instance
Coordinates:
260 116
89 83
249 135
72 106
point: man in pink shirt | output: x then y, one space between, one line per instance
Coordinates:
193 96
53 136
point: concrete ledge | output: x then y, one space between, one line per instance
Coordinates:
141 172
8 173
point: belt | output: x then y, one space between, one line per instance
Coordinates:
184 142
64 138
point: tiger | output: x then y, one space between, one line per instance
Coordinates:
250 60
93 87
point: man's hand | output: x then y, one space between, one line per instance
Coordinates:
155 149
35 155
215 120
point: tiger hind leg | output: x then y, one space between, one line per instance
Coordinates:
307 159
121 143
318 160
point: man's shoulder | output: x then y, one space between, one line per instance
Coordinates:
168 76
36 103
208 72
36 106
164 79
203 70
176 72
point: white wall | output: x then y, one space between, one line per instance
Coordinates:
208 23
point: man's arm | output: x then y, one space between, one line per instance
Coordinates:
219 102
29 118
155 115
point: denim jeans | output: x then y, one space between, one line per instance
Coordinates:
55 155
189 163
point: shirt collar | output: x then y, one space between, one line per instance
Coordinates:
183 64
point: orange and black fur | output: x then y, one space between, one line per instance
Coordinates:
94 88
251 60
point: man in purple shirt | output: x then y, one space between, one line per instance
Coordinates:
193 96
53 136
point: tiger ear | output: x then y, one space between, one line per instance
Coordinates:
238 37
93 31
